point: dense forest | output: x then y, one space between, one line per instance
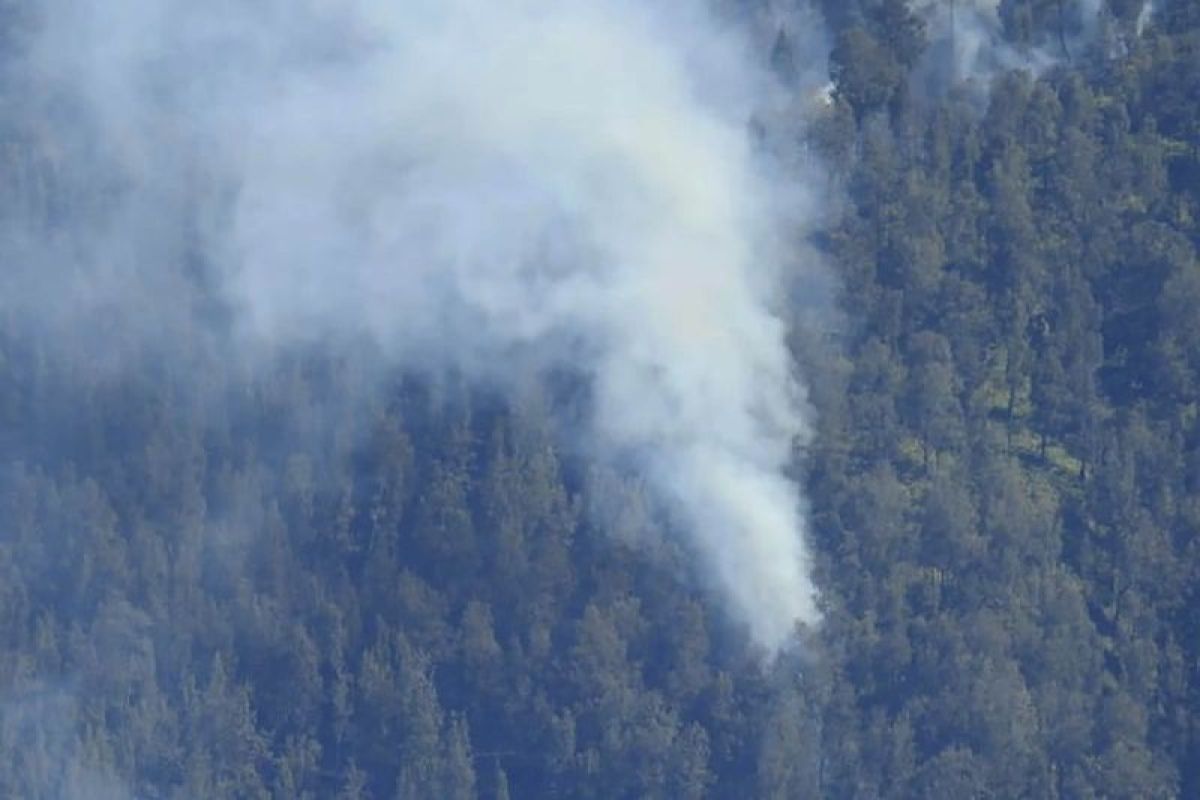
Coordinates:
307 580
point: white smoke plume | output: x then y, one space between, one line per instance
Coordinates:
1145 17
968 41
969 37
490 186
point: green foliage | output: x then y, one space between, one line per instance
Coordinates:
1010 588
307 584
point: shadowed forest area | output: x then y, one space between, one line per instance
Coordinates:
307 580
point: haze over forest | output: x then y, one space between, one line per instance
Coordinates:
603 399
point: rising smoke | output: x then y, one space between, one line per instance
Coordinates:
1145 17
490 187
974 41
967 42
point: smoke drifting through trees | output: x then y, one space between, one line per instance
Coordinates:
977 40
501 189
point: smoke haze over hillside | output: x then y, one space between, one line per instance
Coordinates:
497 188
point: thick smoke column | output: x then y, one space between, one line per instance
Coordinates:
495 187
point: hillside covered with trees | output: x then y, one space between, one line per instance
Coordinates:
306 580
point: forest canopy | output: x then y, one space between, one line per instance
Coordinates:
319 573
